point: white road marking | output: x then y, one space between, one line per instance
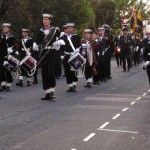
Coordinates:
115 117
121 131
89 137
148 90
125 109
73 149
132 103
144 94
104 125
138 98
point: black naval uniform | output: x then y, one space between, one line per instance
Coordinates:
6 74
66 51
48 62
117 53
137 51
3 54
146 56
106 47
28 42
125 44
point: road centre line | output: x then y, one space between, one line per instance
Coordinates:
132 103
121 131
116 116
138 98
104 125
89 137
144 94
125 109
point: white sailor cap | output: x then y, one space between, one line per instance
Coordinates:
100 28
64 26
88 31
6 25
46 15
25 30
106 26
70 25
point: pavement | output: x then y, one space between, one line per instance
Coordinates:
110 116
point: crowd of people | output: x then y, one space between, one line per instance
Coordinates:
89 56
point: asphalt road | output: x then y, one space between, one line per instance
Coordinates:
111 116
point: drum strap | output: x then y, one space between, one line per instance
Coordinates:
48 38
71 44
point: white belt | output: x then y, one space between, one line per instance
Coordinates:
48 47
68 53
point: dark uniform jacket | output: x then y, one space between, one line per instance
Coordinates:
11 41
67 47
3 49
146 53
125 44
28 46
51 55
106 47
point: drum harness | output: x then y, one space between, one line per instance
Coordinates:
80 71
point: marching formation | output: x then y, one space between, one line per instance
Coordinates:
89 56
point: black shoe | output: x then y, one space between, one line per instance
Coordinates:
109 77
88 85
74 88
20 83
124 70
8 88
35 81
98 82
52 95
105 80
71 89
46 97
28 83
128 69
58 77
3 87
94 82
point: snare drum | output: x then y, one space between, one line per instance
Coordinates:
28 63
76 60
12 63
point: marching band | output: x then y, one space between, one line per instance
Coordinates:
90 56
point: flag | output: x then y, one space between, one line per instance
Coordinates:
133 19
139 24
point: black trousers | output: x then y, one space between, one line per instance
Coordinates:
48 75
103 68
126 59
148 72
6 76
88 72
108 67
70 75
58 67
118 59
